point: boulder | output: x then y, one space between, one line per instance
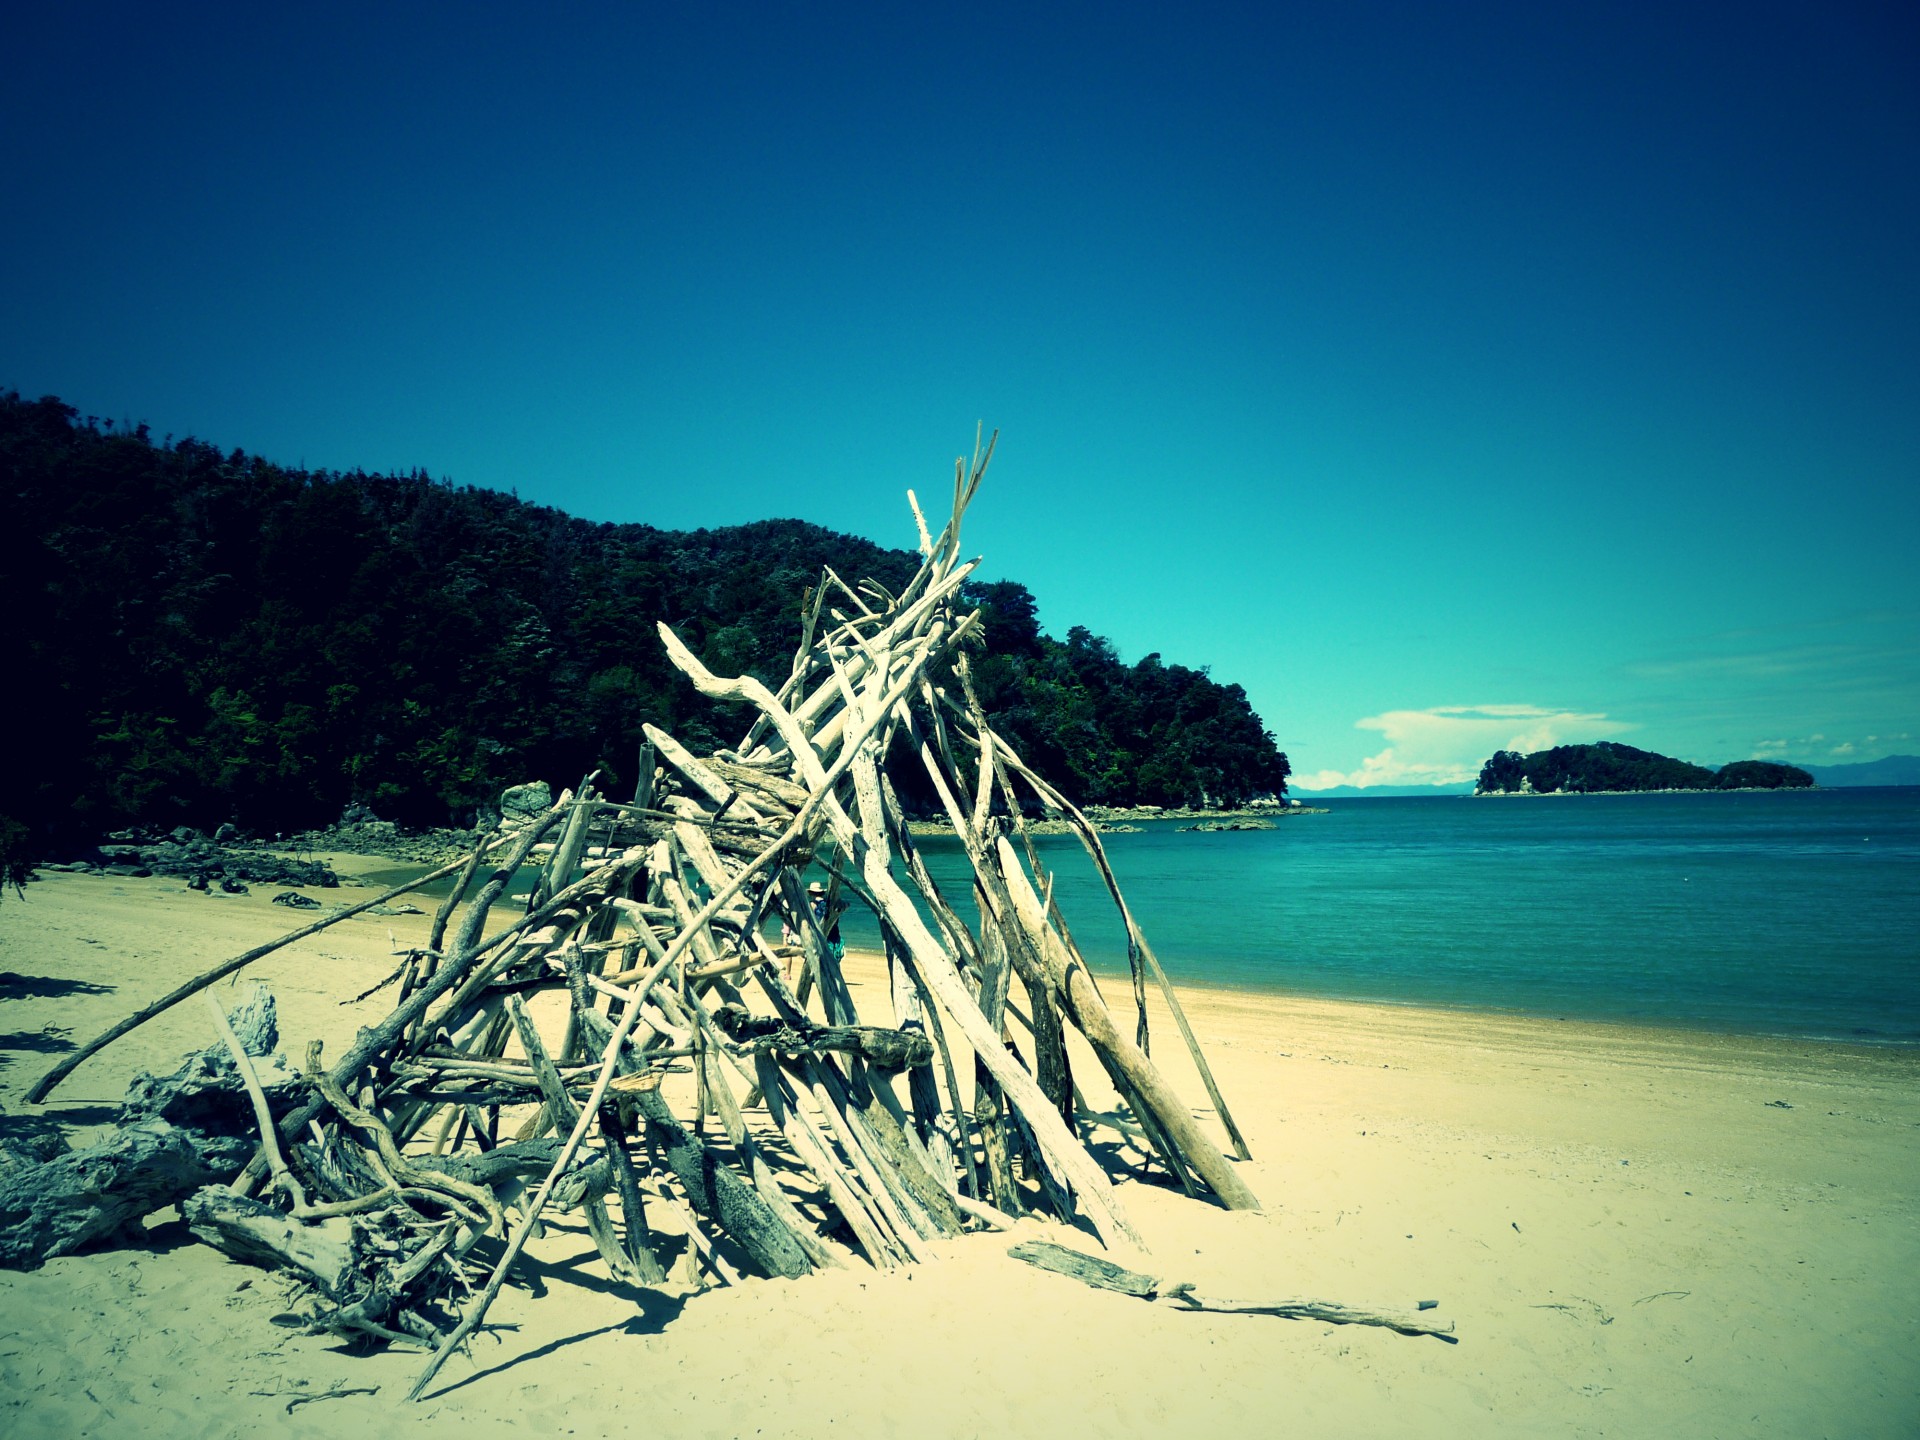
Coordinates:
524 802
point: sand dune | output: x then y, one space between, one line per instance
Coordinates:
1630 1234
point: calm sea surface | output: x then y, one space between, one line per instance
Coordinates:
1794 914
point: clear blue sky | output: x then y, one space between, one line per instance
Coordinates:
1450 376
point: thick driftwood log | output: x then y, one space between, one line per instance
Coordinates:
817 1154
505 1164
1137 942
1087 1269
989 1113
905 1159
257 1234
87 1195
747 1151
716 1192
626 1184
1105 1275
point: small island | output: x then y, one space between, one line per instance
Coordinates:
1608 768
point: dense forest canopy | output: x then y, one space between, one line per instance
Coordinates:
1607 766
211 637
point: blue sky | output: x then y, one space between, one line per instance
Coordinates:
1452 377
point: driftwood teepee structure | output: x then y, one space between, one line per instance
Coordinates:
842 1137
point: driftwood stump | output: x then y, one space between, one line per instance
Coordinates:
257 1234
176 1133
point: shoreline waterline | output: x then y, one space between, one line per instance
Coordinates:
1621 1025
1471 1024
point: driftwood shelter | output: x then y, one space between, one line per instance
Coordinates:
637 1039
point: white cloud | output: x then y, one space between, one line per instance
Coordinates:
1447 744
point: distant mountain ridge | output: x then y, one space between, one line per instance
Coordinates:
1888 770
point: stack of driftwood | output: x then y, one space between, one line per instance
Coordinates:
636 1037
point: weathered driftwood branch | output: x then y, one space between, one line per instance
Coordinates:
760 1034
564 1112
262 1115
1105 1275
1136 940
1089 1012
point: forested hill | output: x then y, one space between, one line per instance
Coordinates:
1610 767
203 636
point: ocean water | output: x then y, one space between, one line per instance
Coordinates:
1770 913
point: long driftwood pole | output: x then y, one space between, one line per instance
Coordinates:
45 1084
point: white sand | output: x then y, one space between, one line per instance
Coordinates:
1630 1239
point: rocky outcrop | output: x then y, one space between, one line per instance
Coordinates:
204 863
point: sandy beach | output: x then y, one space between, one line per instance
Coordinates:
1636 1232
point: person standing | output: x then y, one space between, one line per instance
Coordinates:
817 897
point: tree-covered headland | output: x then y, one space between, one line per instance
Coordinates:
205 636
1609 767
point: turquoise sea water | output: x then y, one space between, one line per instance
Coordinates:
1794 914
